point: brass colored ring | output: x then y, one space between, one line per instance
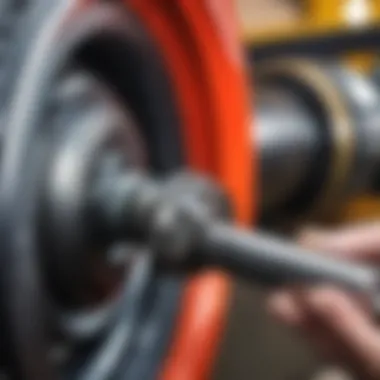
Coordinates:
341 126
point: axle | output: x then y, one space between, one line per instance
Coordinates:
185 223
316 130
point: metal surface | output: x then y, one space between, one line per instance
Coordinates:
18 22
287 136
264 258
28 310
188 234
17 19
11 15
136 72
327 178
318 133
91 127
362 96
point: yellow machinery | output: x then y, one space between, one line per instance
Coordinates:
302 19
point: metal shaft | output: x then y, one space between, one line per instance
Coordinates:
264 258
184 224
288 139
293 131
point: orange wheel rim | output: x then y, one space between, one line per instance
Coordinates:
200 46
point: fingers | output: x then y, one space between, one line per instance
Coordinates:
325 307
350 329
335 324
339 313
289 308
334 321
356 242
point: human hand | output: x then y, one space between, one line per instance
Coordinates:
337 323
